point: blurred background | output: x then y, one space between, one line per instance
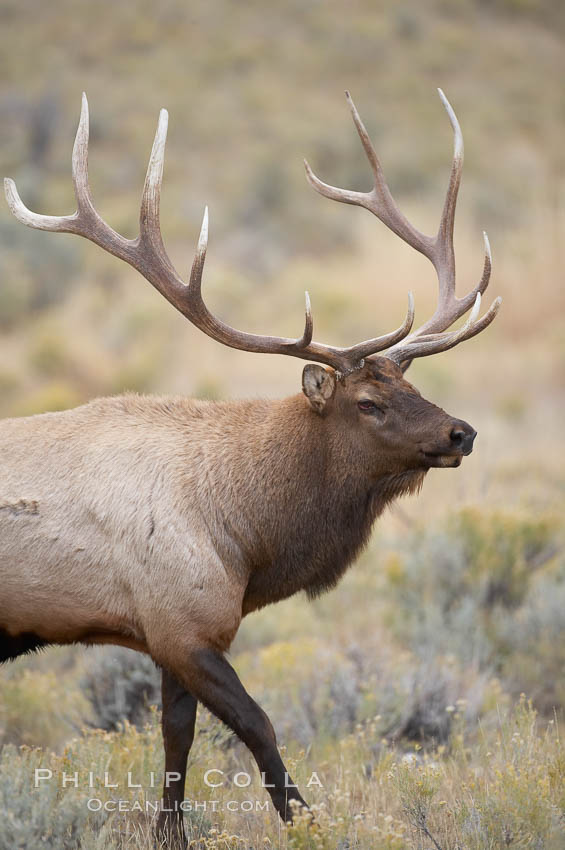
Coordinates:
459 600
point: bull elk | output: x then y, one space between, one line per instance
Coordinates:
159 523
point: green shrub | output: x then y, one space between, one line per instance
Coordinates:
121 685
488 588
44 816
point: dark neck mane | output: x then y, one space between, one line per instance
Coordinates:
307 519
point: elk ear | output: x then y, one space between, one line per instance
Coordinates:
318 385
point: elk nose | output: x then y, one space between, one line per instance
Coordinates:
462 437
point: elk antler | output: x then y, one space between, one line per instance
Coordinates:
431 337
147 254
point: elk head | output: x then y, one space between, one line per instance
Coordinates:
366 393
389 425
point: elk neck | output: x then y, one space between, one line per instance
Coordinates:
294 502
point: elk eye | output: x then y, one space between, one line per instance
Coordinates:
366 406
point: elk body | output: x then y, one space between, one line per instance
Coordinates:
159 523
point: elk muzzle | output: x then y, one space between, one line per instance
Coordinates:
454 443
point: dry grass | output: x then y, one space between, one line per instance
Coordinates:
499 788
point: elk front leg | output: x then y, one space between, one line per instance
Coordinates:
214 682
178 720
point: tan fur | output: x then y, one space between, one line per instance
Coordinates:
86 563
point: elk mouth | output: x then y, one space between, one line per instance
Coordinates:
442 460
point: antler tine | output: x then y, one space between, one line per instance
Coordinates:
85 221
487 266
29 218
444 256
149 222
306 339
60 223
379 200
195 281
80 160
54 223
195 309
